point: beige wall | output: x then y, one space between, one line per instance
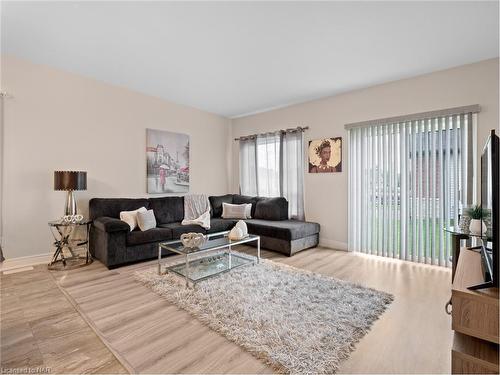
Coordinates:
326 194
59 121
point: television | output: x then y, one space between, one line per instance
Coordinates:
490 197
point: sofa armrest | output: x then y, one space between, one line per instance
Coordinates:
110 224
108 240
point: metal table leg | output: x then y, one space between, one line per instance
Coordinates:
258 250
187 271
65 233
87 245
159 260
57 244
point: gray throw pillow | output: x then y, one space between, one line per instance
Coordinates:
236 211
146 220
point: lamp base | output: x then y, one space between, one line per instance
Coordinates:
70 206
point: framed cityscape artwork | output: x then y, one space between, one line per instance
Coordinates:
325 155
167 156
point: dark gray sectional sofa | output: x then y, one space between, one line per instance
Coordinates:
112 242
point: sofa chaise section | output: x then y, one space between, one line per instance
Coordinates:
285 236
270 222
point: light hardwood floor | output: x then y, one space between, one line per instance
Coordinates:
150 335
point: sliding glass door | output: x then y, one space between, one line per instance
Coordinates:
407 181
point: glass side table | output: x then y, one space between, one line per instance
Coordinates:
457 235
63 241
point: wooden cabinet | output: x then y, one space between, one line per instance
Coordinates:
475 318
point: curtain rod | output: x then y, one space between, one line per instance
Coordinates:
291 130
476 108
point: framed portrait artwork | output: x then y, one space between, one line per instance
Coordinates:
325 155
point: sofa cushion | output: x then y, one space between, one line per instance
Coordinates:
221 225
271 209
167 209
112 207
242 199
138 237
285 229
178 229
216 203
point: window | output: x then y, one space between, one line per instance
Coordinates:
268 165
272 165
407 181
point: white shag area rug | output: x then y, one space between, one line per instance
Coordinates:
295 320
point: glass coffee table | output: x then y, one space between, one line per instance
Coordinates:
214 257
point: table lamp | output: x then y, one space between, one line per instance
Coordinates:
70 181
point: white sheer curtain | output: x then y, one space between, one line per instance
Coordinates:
272 165
268 165
407 181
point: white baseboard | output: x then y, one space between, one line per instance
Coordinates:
20 262
332 244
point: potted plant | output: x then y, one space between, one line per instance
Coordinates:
477 214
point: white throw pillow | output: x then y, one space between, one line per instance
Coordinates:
248 210
236 211
146 220
130 217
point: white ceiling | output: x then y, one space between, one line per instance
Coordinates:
235 58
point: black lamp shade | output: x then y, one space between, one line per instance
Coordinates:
70 180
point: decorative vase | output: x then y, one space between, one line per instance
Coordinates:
477 226
236 234
72 218
243 226
193 240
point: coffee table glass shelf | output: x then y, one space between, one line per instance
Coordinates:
214 257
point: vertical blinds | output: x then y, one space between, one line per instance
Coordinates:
407 181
